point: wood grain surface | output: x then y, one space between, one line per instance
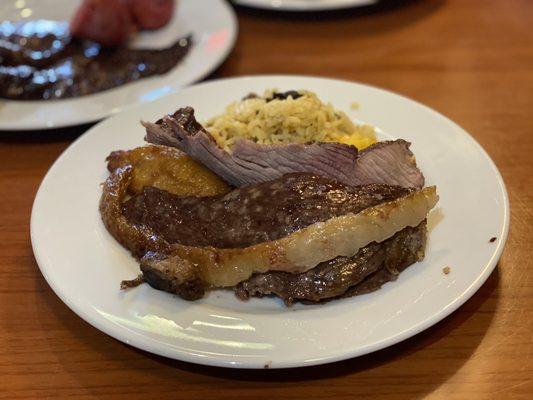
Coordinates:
472 61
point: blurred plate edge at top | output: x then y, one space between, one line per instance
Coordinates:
212 23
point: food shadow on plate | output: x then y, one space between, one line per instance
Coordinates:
411 11
435 348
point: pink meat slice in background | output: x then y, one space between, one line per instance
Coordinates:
151 14
108 22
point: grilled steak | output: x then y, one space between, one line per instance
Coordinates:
389 162
372 266
188 262
253 214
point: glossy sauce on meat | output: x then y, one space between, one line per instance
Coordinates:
252 214
39 60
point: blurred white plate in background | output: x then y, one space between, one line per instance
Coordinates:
213 26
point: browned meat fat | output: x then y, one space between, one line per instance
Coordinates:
365 272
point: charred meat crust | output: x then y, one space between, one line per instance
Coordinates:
172 274
67 67
137 239
144 244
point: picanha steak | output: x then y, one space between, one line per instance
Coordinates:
314 226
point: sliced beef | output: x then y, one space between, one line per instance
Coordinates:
252 214
365 272
389 162
151 14
171 274
188 261
107 22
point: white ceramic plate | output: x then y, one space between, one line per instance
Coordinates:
84 265
212 24
304 5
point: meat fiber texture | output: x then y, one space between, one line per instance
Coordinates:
388 162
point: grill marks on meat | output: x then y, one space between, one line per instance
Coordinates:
389 162
253 214
374 265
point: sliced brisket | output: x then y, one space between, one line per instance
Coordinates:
389 162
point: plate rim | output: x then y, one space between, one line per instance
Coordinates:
150 345
48 127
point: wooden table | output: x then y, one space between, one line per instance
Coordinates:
471 60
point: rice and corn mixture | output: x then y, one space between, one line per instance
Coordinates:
271 120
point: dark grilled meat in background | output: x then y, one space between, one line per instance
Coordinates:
53 65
